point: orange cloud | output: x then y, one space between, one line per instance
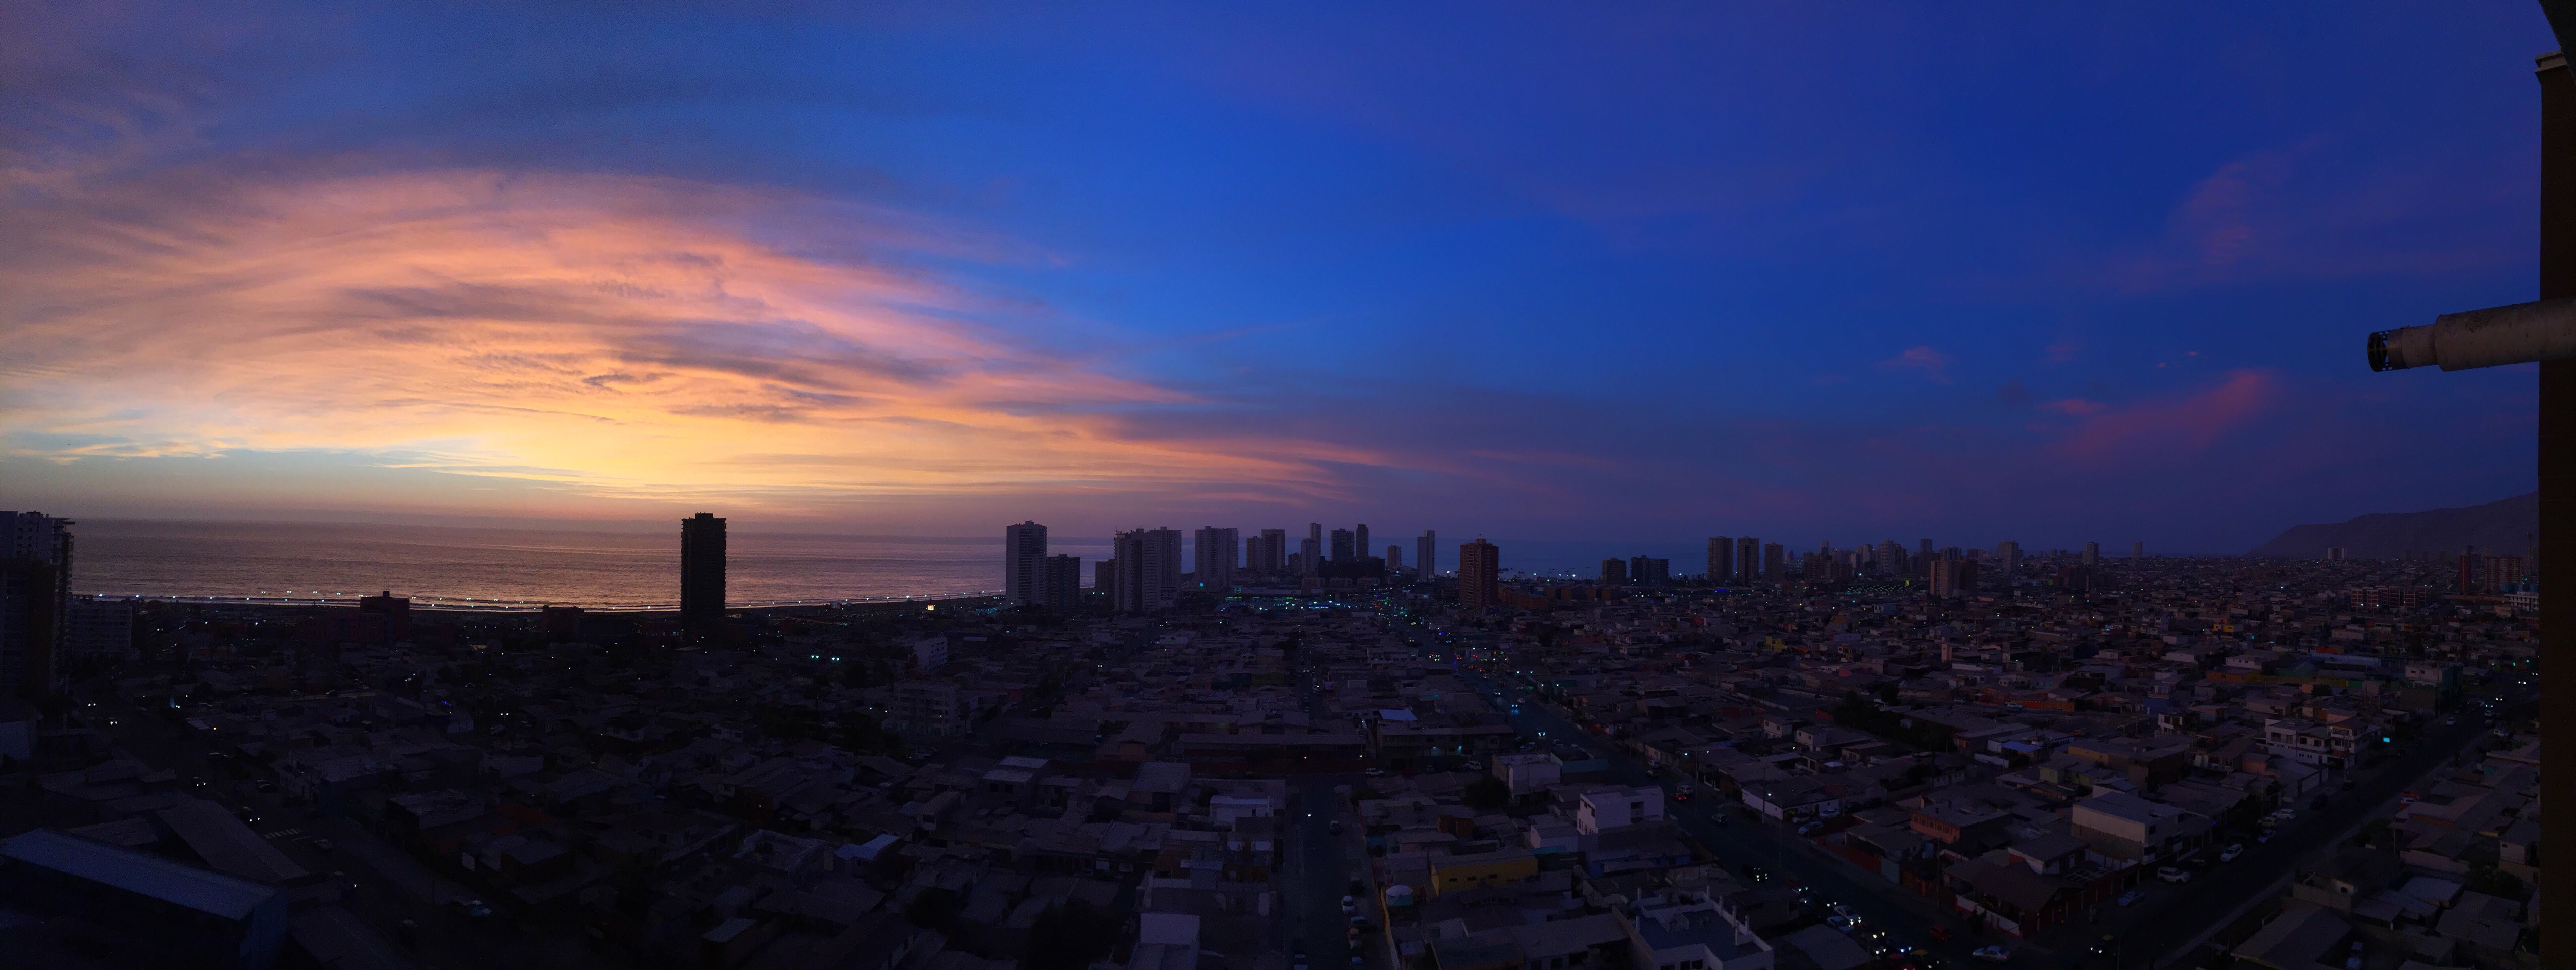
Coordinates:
618 337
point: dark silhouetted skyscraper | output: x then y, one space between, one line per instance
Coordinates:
702 573
1063 583
1426 554
35 601
1215 566
1024 552
1359 541
1614 572
1343 549
1480 575
1647 570
1721 558
1149 570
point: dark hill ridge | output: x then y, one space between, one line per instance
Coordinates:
2501 527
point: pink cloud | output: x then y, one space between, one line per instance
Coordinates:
2076 407
2188 423
1933 363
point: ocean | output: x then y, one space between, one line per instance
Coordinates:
607 570
618 569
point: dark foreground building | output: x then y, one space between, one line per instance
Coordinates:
702 573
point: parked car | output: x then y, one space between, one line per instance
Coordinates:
1992 954
2131 897
2173 874
322 845
471 908
1840 922
2230 853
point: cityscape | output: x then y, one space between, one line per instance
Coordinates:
1331 486
1872 757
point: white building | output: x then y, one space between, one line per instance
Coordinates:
1529 772
930 653
1613 808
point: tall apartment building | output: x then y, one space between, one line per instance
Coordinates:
1891 558
1953 576
1480 575
1359 541
1274 553
1721 558
99 627
1063 583
2092 554
1310 553
1394 559
1775 562
702 573
1024 553
1343 550
2008 559
1426 558
35 601
1215 557
2138 549
1748 559
1648 569
1149 570
1614 572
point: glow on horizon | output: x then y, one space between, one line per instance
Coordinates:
614 337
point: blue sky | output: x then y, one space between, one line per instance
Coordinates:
1827 272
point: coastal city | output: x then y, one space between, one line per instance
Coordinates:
1280 751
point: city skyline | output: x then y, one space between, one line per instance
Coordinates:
2103 280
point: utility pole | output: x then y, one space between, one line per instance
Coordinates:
2558 479
2542 331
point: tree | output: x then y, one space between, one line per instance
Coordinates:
1070 937
1487 793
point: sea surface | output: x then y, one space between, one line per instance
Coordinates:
620 569
534 566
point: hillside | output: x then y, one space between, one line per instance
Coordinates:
2503 527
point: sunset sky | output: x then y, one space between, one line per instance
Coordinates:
1812 272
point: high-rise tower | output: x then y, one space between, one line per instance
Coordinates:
702 573
35 601
1215 557
1149 570
1426 556
1479 575
1721 558
1024 553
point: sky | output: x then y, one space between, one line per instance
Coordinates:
1814 272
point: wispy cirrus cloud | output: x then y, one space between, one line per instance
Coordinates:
622 333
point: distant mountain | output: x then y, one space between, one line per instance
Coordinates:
2502 527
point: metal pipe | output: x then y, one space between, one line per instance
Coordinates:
2516 334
